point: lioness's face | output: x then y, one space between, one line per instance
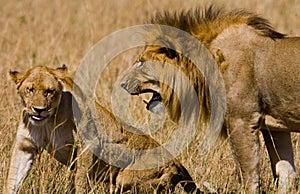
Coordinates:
40 92
146 74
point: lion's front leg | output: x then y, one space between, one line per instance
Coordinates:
21 161
245 146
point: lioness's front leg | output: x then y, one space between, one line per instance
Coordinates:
21 161
245 145
64 150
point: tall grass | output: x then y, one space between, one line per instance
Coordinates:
55 32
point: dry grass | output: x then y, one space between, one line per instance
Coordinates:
54 32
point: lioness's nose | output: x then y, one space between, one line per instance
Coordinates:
38 109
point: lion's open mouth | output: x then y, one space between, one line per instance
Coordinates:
154 101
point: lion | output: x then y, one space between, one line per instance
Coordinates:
51 119
46 123
135 176
260 68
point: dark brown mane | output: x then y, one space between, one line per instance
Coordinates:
212 21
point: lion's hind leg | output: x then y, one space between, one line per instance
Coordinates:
160 180
281 154
139 182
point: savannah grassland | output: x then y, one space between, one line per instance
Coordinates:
54 32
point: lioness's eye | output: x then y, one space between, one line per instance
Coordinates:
29 90
49 92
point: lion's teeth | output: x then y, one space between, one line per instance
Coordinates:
146 101
38 118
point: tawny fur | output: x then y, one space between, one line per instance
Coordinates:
260 67
46 123
47 94
161 179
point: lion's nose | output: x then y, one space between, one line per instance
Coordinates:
124 85
38 109
133 87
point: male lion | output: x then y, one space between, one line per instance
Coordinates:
48 123
135 176
260 68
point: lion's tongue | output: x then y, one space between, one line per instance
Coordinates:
38 118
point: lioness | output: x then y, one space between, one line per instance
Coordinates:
48 123
260 67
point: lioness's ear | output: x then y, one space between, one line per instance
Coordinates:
61 73
15 76
63 67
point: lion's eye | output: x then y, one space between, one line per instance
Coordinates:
49 92
139 63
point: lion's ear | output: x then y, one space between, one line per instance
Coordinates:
61 73
63 67
67 84
15 76
169 52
